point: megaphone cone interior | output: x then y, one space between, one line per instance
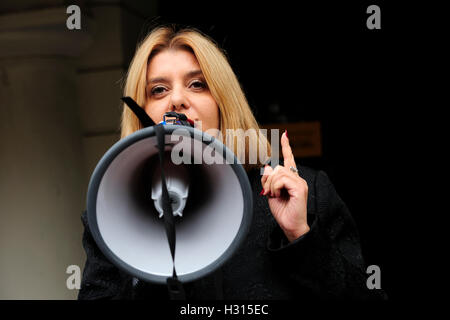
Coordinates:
177 179
125 222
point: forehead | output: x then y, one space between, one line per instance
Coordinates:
171 61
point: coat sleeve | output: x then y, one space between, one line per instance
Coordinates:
101 279
326 262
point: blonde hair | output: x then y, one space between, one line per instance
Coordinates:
234 111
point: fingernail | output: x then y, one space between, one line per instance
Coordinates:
285 131
262 192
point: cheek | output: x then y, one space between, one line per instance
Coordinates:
210 113
155 112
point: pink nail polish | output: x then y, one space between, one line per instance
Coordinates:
285 131
262 192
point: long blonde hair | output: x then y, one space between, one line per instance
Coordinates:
234 111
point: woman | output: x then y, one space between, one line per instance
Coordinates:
302 242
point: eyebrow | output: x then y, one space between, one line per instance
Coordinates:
190 74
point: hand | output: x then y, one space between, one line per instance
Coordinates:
288 194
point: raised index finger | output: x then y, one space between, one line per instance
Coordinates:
288 156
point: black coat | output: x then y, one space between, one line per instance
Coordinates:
325 263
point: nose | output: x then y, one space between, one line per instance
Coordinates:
178 100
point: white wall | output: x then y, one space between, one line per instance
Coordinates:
59 113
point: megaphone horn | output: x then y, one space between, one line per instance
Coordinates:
210 205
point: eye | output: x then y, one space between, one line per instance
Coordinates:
198 84
157 90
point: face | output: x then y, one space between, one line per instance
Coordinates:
175 83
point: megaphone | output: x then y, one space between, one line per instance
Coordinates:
211 204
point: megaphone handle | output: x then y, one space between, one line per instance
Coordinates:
175 287
176 290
